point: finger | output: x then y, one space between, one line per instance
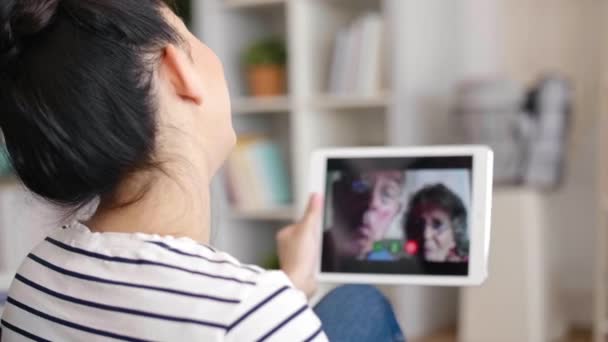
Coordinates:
284 232
313 210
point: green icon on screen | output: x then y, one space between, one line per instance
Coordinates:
395 247
377 246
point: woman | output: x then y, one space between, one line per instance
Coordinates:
114 100
437 221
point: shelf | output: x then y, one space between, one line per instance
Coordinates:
260 105
343 102
355 5
275 214
251 3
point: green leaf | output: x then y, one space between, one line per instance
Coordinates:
267 51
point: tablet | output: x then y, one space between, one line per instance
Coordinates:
418 215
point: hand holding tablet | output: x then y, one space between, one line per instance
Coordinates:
404 215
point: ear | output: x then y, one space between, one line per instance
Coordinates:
182 74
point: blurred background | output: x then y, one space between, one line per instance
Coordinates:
526 77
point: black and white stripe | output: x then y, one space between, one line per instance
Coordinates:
275 313
70 324
77 285
117 309
283 323
193 255
91 278
142 262
256 307
21 332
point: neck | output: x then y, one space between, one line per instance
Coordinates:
177 207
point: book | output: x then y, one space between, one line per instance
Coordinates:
338 62
358 64
370 68
354 56
250 189
256 175
272 171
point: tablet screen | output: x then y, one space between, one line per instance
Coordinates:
401 215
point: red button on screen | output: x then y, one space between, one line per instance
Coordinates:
411 247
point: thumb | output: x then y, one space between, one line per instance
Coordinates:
313 210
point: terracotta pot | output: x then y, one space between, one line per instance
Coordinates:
266 80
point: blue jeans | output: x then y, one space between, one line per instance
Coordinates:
358 313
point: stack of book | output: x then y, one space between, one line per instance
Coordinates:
257 178
357 65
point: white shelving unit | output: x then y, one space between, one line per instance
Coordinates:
308 117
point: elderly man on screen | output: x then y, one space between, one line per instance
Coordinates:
365 206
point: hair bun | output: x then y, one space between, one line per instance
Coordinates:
33 16
22 18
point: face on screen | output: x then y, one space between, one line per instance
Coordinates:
365 206
438 235
436 220
405 215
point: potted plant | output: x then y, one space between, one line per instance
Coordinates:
265 67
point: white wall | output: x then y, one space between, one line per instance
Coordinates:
519 40
559 35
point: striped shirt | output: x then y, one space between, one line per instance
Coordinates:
83 286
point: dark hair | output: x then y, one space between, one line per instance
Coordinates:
439 196
76 96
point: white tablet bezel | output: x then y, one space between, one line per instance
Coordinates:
481 204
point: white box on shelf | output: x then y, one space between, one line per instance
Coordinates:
518 301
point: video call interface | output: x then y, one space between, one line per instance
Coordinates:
397 215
